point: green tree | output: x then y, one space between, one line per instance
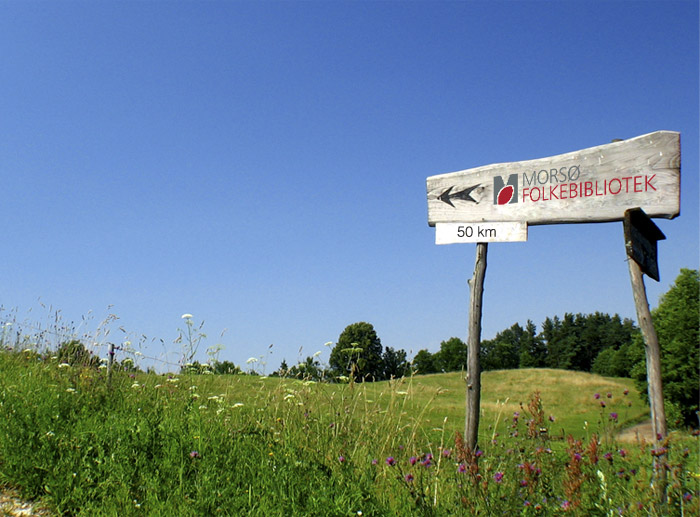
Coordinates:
452 355
503 351
74 353
424 362
225 368
358 352
676 321
309 369
394 364
533 351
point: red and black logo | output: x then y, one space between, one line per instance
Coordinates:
505 193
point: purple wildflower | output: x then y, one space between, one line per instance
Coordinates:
596 396
613 416
391 461
341 459
375 461
409 477
412 460
462 468
498 477
609 395
608 456
622 452
194 455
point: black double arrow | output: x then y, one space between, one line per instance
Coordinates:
463 195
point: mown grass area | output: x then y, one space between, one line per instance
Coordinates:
246 445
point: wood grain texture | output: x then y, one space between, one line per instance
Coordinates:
654 384
473 379
591 185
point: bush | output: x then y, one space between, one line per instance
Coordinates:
676 321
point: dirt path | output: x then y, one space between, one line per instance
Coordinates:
12 506
637 433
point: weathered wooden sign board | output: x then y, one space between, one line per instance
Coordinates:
591 185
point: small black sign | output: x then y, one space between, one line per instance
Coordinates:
641 236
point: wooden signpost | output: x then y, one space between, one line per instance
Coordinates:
641 235
496 203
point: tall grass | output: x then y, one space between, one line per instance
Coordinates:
249 445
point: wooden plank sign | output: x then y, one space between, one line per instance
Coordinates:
641 236
450 233
592 185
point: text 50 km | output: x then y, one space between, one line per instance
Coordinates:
449 233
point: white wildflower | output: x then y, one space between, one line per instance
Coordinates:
316 354
64 365
186 316
237 404
252 360
70 390
136 385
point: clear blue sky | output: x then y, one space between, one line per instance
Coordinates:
262 165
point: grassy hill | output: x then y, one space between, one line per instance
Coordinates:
245 445
433 402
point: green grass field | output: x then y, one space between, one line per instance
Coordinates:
248 445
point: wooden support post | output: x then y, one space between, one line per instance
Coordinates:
653 361
473 396
641 236
110 362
